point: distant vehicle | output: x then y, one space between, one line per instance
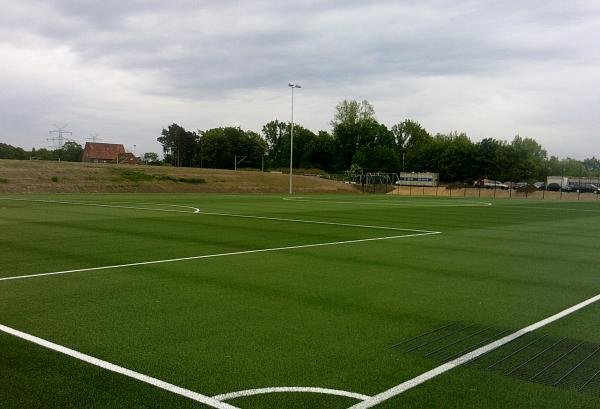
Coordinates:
494 184
539 185
520 185
583 188
553 187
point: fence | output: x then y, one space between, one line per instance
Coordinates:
471 192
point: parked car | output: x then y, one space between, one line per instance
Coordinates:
494 184
582 188
553 187
539 185
520 185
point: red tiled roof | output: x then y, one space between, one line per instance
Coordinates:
102 151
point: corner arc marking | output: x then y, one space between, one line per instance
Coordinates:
290 389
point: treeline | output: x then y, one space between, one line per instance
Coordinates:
70 152
359 143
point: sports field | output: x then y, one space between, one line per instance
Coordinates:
180 301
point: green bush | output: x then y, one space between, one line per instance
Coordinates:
191 180
54 178
139 176
3 180
182 180
132 175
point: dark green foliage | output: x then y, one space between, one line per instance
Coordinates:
54 179
220 146
151 158
4 180
12 152
131 175
191 180
70 152
42 154
310 150
180 147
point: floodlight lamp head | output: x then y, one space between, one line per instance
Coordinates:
294 85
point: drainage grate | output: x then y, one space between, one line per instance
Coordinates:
539 358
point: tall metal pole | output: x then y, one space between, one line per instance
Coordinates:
292 86
292 141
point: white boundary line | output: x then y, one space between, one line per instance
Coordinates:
516 206
442 203
290 389
195 209
366 401
282 219
403 387
198 211
234 253
216 401
207 400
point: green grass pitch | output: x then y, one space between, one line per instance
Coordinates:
298 316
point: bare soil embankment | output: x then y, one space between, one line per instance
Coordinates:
69 177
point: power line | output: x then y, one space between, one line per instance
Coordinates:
59 140
94 137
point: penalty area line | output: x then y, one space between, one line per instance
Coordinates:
283 219
435 372
198 397
234 253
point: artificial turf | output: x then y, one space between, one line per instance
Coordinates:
315 316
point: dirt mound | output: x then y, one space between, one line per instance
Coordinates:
68 177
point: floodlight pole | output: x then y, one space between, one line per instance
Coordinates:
292 86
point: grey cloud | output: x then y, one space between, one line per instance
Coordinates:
208 51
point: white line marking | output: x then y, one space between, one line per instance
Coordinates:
195 209
290 389
403 387
207 400
440 203
198 211
234 253
552 208
281 219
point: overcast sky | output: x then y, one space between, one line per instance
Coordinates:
126 69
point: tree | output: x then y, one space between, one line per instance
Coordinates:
70 152
220 146
180 147
376 149
414 145
277 136
320 151
351 112
453 157
150 158
310 150
42 154
12 152
355 128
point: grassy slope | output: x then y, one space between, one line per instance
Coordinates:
311 317
69 177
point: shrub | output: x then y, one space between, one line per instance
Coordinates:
191 180
54 178
132 175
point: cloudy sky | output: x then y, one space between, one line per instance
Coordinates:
123 70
